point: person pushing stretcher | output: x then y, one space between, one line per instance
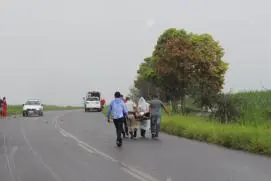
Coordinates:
132 123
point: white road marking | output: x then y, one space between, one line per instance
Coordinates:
98 152
87 149
7 159
63 133
128 169
168 179
12 155
142 174
133 174
55 176
54 121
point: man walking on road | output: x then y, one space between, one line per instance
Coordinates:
155 113
119 113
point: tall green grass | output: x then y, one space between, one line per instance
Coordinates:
255 107
251 133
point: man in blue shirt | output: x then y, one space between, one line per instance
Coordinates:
119 112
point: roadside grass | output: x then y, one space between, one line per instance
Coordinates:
250 138
17 109
234 136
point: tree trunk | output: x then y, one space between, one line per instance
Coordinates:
174 105
183 105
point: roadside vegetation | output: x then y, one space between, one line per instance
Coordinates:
187 71
17 109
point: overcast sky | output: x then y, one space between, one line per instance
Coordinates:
56 50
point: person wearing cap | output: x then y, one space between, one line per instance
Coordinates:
118 110
131 120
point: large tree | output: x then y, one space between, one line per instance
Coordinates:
146 88
185 64
174 60
209 72
146 79
149 83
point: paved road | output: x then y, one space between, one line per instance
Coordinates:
78 146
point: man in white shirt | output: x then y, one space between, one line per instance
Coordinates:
131 122
125 131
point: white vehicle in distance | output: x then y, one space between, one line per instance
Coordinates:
93 103
32 106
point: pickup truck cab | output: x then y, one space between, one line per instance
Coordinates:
32 106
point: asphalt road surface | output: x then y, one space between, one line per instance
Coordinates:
78 146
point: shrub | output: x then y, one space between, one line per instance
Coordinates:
227 108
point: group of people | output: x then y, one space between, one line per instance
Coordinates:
3 107
127 116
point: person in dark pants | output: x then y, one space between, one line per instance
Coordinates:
119 113
125 129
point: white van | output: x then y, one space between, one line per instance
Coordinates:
93 104
32 106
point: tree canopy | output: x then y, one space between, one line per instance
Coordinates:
184 64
